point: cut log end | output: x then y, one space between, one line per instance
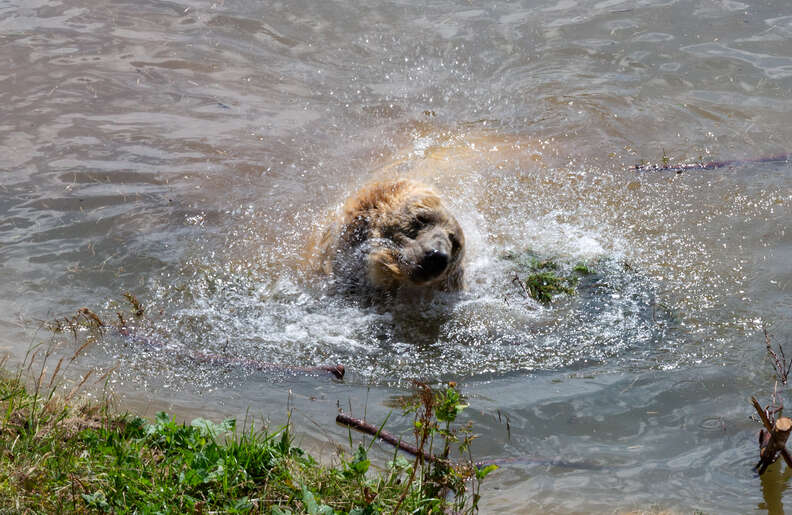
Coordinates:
783 425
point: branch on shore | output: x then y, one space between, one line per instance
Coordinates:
362 425
365 427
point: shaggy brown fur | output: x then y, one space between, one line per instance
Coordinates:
391 234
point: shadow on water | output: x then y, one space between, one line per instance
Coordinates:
775 481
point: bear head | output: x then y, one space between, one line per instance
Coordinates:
392 234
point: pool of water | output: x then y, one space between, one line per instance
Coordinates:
186 152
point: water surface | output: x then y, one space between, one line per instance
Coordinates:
186 151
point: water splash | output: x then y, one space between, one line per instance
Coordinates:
271 315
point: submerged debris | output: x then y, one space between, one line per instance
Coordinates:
542 286
543 279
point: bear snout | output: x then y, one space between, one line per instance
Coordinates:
434 262
432 265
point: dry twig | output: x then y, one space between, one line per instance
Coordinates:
781 365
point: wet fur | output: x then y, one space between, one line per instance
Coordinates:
375 243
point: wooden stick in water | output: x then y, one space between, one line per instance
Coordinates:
772 439
336 370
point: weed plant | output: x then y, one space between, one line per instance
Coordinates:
434 411
544 279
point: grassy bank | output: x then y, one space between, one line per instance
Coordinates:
58 455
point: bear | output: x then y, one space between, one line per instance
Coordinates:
391 235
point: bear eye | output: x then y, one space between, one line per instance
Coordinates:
422 220
418 223
455 245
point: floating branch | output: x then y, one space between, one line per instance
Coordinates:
667 166
336 370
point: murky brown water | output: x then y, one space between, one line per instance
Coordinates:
185 151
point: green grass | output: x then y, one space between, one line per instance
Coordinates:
56 457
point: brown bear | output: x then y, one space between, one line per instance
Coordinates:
392 234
